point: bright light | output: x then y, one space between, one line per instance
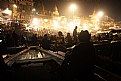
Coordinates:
7 11
55 24
33 9
25 25
96 27
45 20
0 40
36 28
15 6
100 14
28 28
70 27
73 7
85 27
97 19
90 24
77 22
35 21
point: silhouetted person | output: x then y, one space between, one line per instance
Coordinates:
81 61
22 40
60 38
46 42
60 41
34 40
75 37
69 41
99 38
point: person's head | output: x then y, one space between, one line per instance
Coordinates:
84 36
68 34
45 35
35 34
75 27
60 33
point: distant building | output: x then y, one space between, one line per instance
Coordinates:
22 9
55 12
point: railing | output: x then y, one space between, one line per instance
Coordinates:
106 75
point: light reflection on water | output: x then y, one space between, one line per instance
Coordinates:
33 54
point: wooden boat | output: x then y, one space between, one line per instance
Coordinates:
37 64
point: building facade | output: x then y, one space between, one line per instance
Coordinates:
21 9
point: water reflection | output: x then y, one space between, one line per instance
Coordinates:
33 54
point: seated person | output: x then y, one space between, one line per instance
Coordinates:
79 64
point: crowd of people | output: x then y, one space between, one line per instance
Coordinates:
78 64
60 40
47 41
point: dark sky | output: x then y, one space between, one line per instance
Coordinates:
111 8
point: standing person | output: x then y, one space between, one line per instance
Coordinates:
75 37
79 64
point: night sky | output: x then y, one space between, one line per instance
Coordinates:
111 8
